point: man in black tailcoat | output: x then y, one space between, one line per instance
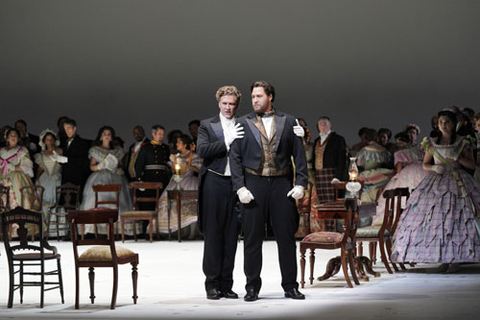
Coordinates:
74 159
262 176
217 215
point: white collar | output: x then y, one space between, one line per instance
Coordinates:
225 120
325 135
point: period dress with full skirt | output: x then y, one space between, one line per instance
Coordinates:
16 179
189 208
409 177
440 221
375 175
107 176
50 178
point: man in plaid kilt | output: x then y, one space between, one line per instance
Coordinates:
329 160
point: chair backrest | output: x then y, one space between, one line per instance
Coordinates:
32 197
23 217
107 188
135 186
67 197
4 198
400 194
393 208
342 185
80 217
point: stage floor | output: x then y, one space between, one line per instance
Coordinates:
171 287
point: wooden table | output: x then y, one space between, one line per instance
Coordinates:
331 210
178 196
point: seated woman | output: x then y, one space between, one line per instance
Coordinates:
374 161
189 163
439 223
16 170
410 172
105 162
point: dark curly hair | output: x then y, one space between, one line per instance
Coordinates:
98 139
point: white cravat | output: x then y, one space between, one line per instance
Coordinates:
227 125
324 137
267 124
138 144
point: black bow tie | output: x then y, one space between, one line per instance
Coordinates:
266 114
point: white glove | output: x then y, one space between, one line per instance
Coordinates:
111 162
296 193
59 158
244 195
335 180
439 169
298 130
101 165
232 134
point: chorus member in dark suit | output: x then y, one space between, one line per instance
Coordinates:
28 140
75 162
217 215
133 151
329 160
262 175
151 164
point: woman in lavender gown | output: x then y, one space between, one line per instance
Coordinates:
440 221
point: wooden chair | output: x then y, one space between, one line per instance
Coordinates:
32 198
67 198
382 234
304 212
106 255
334 240
25 255
108 203
136 215
4 203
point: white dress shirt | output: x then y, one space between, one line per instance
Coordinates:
227 125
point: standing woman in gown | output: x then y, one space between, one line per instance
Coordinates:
440 221
16 169
105 164
49 171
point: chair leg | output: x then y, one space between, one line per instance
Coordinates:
371 250
343 257
312 263
389 251
77 287
96 231
91 278
57 217
352 267
157 229
42 282
115 287
302 266
21 282
150 229
82 231
360 248
60 279
123 229
135 281
135 230
383 256
11 284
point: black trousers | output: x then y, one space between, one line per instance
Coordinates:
220 229
271 202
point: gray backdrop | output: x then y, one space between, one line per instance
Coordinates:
364 63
